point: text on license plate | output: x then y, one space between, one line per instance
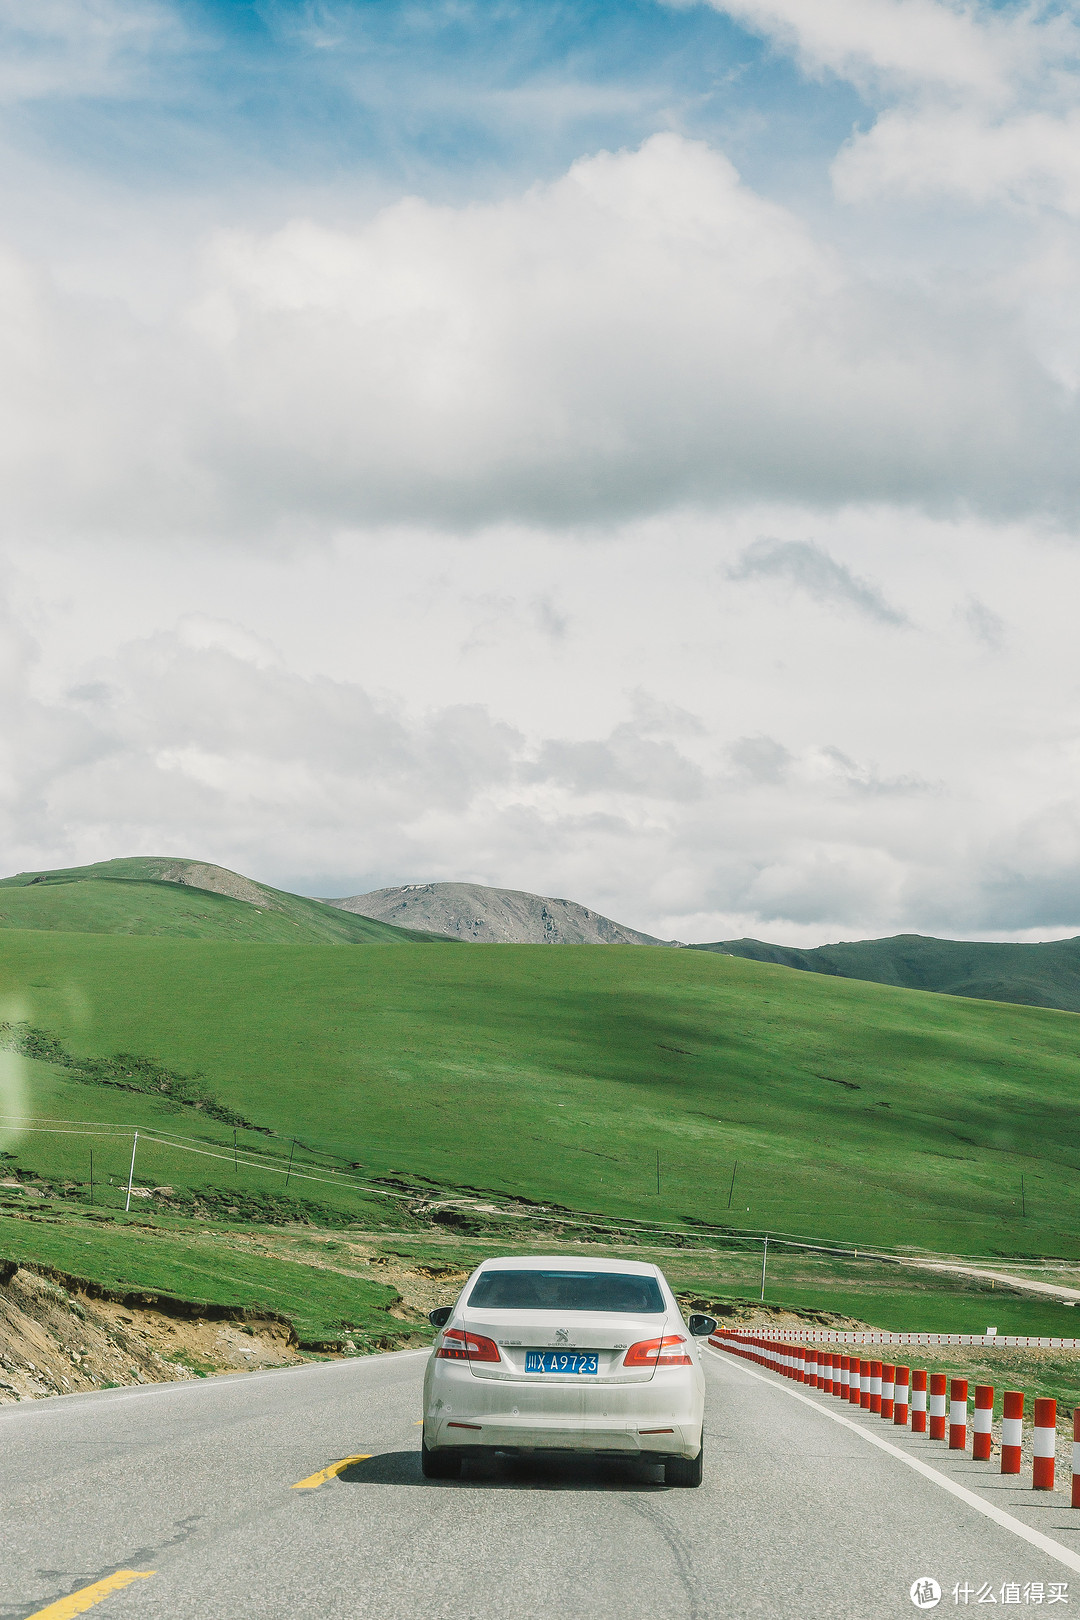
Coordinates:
560 1361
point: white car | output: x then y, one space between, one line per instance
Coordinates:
549 1354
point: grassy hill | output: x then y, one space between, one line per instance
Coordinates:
1045 975
185 899
855 1112
140 1259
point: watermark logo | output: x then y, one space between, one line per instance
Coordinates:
925 1593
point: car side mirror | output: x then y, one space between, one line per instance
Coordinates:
442 1314
702 1325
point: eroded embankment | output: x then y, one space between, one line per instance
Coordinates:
56 1339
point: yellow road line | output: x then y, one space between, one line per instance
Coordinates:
79 1602
313 1481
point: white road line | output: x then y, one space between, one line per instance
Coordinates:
1053 1549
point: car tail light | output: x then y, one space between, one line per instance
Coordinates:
459 1346
663 1352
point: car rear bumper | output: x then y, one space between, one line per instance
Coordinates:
660 1418
505 1433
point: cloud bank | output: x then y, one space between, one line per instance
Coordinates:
687 525
643 331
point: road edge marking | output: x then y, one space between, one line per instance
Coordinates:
1036 1538
313 1481
44 1405
66 1608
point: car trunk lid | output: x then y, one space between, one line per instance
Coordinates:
608 1337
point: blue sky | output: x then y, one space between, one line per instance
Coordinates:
451 101
623 452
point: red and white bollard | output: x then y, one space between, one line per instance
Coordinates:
842 1386
827 1370
901 1391
918 1401
875 1387
1012 1431
1076 1459
982 1438
958 1414
864 1385
1045 1445
888 1388
938 1391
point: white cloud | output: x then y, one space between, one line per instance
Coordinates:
833 778
902 41
643 331
984 99
80 47
1030 159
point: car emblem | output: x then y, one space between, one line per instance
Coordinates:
562 1336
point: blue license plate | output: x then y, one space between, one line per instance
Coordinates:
560 1361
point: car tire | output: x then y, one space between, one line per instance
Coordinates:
439 1464
684 1471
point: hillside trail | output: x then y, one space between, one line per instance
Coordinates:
1029 1285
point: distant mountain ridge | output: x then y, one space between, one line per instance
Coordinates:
1041 975
167 895
486 916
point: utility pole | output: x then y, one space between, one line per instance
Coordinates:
131 1172
288 1172
731 1189
764 1262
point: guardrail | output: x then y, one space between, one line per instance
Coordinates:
879 1336
882 1389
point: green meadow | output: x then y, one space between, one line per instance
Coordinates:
855 1113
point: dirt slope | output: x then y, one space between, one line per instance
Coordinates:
55 1341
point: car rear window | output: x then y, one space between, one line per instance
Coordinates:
568 1291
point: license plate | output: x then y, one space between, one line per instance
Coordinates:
560 1361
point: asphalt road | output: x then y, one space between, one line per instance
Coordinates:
800 1515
